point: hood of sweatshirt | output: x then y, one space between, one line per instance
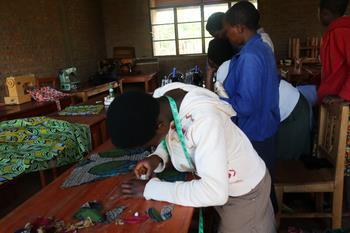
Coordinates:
196 97
341 22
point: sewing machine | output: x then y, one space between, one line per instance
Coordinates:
68 79
17 89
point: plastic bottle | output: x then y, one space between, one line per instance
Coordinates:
111 91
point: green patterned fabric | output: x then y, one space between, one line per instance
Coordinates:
39 143
81 110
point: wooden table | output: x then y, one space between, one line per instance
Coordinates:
86 90
63 203
307 75
30 109
96 123
149 80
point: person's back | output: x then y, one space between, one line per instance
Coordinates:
253 74
335 50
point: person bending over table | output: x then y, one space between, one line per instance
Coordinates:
193 130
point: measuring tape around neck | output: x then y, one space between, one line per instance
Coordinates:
181 136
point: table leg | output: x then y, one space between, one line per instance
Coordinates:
146 86
54 172
95 136
85 97
42 178
104 132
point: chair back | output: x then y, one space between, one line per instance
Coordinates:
124 53
332 138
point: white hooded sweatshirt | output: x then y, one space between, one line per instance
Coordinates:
223 157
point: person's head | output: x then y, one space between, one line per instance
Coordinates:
241 22
133 120
329 10
218 52
215 25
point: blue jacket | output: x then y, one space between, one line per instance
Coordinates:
252 86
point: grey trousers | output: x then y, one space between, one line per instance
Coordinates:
250 213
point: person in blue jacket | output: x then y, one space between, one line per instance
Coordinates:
252 82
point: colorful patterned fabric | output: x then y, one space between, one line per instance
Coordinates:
44 94
39 143
97 168
47 94
81 110
114 163
347 154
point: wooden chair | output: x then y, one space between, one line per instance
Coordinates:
47 81
308 49
294 177
124 53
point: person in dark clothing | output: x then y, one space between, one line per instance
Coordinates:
252 83
216 29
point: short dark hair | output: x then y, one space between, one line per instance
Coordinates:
132 119
215 22
220 51
337 7
243 13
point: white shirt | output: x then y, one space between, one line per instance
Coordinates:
266 38
288 95
222 71
224 158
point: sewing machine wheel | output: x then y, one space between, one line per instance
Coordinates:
10 83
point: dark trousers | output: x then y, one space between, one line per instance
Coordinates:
267 151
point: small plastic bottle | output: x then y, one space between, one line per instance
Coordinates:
111 91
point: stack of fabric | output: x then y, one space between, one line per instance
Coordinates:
39 143
81 110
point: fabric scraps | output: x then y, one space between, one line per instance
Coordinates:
120 152
73 228
47 94
39 143
44 224
172 175
112 168
135 219
90 210
81 110
101 167
114 213
119 222
165 213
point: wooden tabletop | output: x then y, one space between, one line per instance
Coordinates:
63 203
89 120
8 112
86 90
307 75
138 78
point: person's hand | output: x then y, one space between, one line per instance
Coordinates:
147 166
133 188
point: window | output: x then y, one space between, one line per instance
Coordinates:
180 30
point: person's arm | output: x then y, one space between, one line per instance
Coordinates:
162 153
209 78
211 164
246 98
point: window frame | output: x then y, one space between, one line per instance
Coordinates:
176 23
